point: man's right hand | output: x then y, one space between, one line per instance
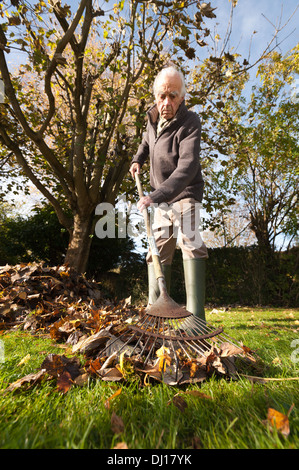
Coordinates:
134 167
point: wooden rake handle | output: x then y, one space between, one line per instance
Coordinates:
150 236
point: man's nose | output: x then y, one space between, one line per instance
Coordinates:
167 100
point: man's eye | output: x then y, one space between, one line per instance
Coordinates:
172 96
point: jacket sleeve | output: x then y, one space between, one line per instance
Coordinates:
143 150
187 166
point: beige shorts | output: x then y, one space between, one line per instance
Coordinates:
178 224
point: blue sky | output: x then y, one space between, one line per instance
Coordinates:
261 16
249 15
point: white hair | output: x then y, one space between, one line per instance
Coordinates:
170 72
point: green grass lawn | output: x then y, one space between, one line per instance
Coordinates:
228 414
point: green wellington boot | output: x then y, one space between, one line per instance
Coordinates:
194 273
153 289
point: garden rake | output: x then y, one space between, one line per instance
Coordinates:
165 323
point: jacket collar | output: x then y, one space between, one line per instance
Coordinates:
153 113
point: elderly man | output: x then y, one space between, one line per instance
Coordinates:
172 143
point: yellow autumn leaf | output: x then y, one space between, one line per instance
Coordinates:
24 360
121 361
193 369
107 402
164 358
279 421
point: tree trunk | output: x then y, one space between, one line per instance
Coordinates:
79 244
259 224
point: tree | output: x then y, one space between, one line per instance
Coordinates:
74 113
263 166
85 151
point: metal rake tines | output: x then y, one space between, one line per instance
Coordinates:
199 326
188 335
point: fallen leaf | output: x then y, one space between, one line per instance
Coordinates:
22 295
95 365
164 358
109 361
193 369
199 376
29 379
179 402
117 424
111 375
64 382
121 363
92 342
107 402
121 445
24 360
196 443
214 363
229 364
278 420
81 379
56 365
228 349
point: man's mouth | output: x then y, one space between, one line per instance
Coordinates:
167 111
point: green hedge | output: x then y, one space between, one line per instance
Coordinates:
243 276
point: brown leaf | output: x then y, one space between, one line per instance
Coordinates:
196 443
190 53
94 366
152 370
246 349
22 295
207 10
64 382
56 365
111 375
117 424
58 330
228 349
53 364
29 379
199 376
92 342
179 402
81 379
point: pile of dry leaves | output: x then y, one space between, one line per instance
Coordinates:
71 309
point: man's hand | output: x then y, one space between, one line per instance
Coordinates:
134 167
144 202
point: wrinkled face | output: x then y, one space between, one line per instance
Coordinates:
168 96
